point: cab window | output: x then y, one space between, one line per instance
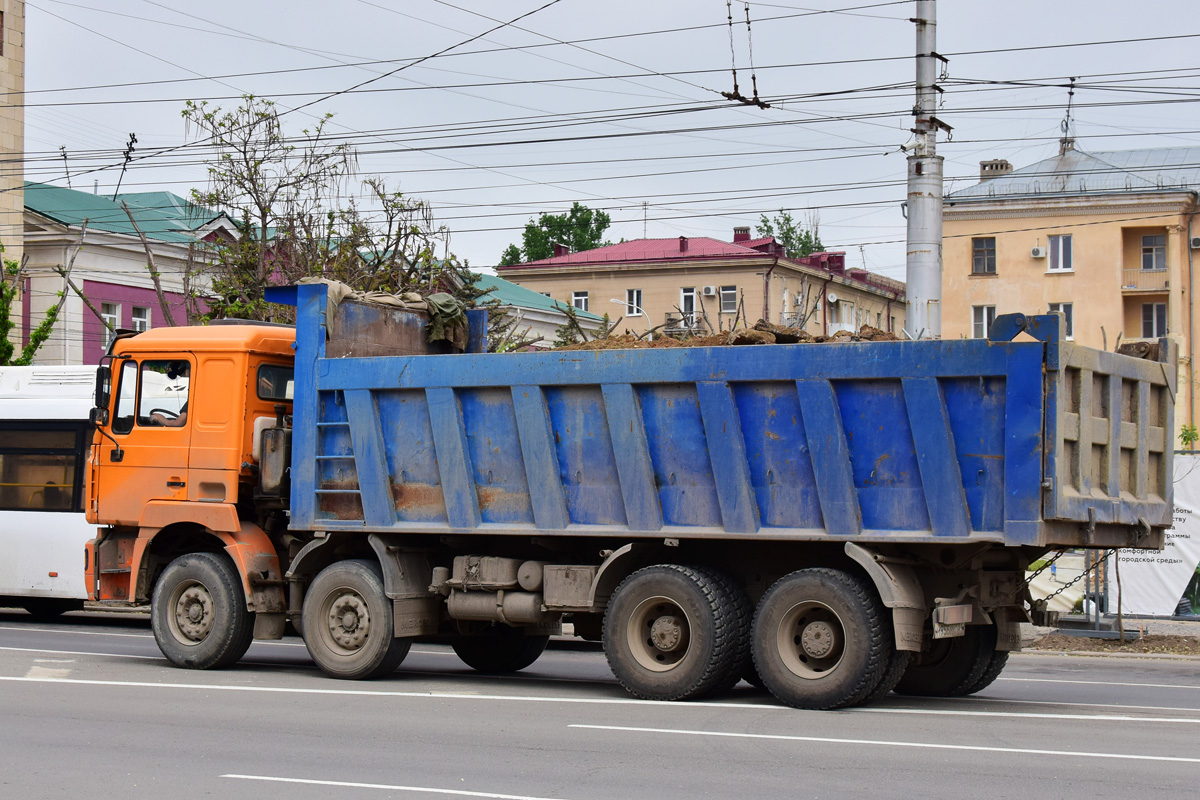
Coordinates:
163 394
126 393
274 382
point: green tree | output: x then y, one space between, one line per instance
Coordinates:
10 290
286 192
798 239
581 228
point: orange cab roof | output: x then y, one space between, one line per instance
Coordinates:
276 340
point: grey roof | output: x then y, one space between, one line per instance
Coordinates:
1079 173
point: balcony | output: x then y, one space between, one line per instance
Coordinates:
1144 280
685 325
838 327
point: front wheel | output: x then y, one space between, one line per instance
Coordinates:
198 612
348 622
499 649
819 639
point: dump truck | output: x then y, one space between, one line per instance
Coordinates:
831 521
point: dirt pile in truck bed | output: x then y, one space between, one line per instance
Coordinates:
762 333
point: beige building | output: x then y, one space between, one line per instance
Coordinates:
702 285
12 126
1105 238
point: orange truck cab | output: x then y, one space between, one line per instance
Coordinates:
175 469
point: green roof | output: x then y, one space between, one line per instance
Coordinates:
510 294
161 215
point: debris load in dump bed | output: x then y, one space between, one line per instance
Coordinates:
762 333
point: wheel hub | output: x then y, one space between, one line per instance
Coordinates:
818 639
349 621
666 633
194 613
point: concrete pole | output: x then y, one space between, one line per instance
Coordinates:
924 261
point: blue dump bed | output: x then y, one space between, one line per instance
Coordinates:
1033 442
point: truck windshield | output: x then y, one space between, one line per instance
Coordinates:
274 382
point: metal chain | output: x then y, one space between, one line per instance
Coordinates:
1080 577
1025 583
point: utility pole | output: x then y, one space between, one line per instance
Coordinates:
924 262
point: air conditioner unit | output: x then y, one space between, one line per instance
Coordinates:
1196 242
710 291
1037 252
831 297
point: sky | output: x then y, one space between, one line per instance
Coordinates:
616 105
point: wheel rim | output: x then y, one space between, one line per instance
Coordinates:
811 640
192 614
659 634
347 621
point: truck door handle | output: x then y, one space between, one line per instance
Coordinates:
175 484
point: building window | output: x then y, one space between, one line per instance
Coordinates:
982 318
141 319
1065 309
580 300
687 305
633 303
1154 252
1060 253
728 299
983 255
111 314
1154 320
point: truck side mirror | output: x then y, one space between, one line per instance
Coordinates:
98 416
103 389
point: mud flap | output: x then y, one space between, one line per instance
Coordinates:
900 591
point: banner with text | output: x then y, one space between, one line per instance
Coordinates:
1154 581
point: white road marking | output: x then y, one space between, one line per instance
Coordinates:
1021 715
47 673
885 743
579 700
74 632
1102 683
79 653
389 787
54 661
1121 706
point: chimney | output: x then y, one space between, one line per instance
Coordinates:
993 169
683 244
561 250
741 234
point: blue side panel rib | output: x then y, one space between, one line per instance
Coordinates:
541 466
462 505
369 458
727 454
934 443
632 454
310 341
830 458
1023 445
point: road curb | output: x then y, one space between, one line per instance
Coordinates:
1093 654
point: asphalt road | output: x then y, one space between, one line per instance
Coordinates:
88 708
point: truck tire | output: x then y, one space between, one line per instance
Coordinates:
673 632
348 622
953 667
499 649
897 664
819 639
47 608
994 668
198 612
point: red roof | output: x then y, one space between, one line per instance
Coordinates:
652 250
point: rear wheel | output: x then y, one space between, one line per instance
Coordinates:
673 632
897 664
45 608
819 639
348 622
198 612
954 667
499 649
994 668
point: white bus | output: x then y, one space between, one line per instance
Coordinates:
44 440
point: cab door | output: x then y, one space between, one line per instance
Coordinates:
152 429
